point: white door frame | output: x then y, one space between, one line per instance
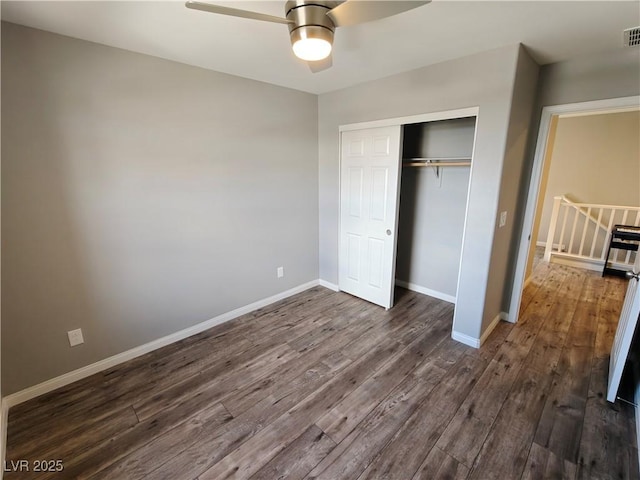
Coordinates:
571 109
408 120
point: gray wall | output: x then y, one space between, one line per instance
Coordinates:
595 159
141 197
485 80
507 238
433 207
591 77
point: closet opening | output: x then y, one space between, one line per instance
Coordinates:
436 169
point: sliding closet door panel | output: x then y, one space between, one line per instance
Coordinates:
369 190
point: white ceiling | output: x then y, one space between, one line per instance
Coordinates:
443 30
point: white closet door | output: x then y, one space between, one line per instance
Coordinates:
624 333
369 195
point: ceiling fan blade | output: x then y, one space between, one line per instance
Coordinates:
235 12
321 65
353 12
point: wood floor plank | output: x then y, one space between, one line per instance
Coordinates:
75 441
352 456
352 330
103 454
297 460
440 466
604 448
490 347
423 428
212 444
159 450
154 377
543 464
347 414
535 281
560 425
547 347
520 340
465 434
249 397
223 379
505 452
404 325
245 459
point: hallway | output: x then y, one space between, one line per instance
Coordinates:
568 322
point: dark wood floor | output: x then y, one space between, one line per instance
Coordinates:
324 385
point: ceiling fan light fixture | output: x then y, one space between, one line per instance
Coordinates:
312 43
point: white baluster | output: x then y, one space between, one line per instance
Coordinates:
552 228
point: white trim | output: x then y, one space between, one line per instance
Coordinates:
329 285
634 108
466 212
425 117
70 377
475 342
426 291
556 246
608 105
466 339
594 265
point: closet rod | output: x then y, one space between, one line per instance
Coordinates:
436 164
437 159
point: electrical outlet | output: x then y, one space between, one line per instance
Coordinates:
75 337
503 219
280 272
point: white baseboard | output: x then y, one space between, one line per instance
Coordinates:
555 246
595 266
67 378
466 339
329 285
426 291
477 342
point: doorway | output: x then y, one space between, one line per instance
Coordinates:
391 227
543 146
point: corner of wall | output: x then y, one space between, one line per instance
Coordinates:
514 179
329 285
47 386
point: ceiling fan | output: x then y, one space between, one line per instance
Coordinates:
312 22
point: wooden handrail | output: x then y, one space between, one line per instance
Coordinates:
596 205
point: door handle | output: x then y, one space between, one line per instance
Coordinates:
631 274
388 232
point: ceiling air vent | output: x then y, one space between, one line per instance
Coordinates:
632 37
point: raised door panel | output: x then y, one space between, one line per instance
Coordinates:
369 181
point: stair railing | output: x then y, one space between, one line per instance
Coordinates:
580 232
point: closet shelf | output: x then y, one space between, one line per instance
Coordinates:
436 162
